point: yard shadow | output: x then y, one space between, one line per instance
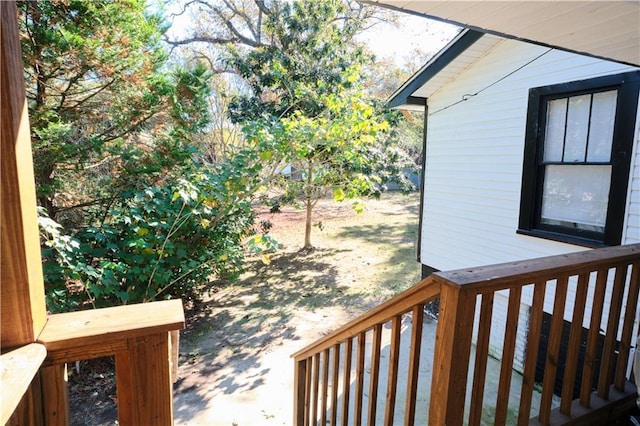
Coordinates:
407 203
398 243
229 335
226 347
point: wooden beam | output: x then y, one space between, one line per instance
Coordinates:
451 355
55 395
87 334
143 382
499 277
29 411
21 285
17 370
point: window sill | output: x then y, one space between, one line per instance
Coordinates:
563 238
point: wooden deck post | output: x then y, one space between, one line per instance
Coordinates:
29 410
55 395
451 357
143 377
21 286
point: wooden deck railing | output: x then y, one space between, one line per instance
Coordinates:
143 338
596 290
35 347
324 355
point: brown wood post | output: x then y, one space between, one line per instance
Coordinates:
55 395
300 389
21 285
29 411
124 390
143 382
451 357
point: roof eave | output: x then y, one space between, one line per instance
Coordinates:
404 95
496 33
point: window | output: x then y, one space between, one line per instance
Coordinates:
578 149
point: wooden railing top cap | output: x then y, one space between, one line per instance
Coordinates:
532 269
17 369
111 324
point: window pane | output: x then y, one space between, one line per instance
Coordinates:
577 125
554 133
576 196
603 115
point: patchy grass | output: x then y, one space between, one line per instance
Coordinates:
237 345
357 261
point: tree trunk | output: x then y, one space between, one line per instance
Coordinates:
307 227
309 204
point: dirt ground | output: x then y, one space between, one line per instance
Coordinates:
235 365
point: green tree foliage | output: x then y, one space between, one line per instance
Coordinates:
105 110
129 212
307 107
158 241
309 58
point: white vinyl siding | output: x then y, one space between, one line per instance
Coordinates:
474 163
631 232
474 158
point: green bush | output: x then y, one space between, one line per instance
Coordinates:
157 242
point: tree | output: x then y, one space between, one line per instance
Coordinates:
157 242
242 22
307 107
106 111
129 211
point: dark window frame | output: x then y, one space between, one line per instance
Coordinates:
628 87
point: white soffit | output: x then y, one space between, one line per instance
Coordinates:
605 29
462 52
459 64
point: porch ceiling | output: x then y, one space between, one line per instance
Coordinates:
604 29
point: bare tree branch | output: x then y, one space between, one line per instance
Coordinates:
201 39
262 6
184 7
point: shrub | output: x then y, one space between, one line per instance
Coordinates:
157 242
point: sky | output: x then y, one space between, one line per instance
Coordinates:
398 43
385 40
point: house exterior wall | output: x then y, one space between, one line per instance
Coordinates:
632 225
474 160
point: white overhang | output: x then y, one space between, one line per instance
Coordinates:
604 29
460 53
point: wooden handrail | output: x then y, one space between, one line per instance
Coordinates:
614 275
502 276
139 336
142 338
17 369
102 332
470 285
423 292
